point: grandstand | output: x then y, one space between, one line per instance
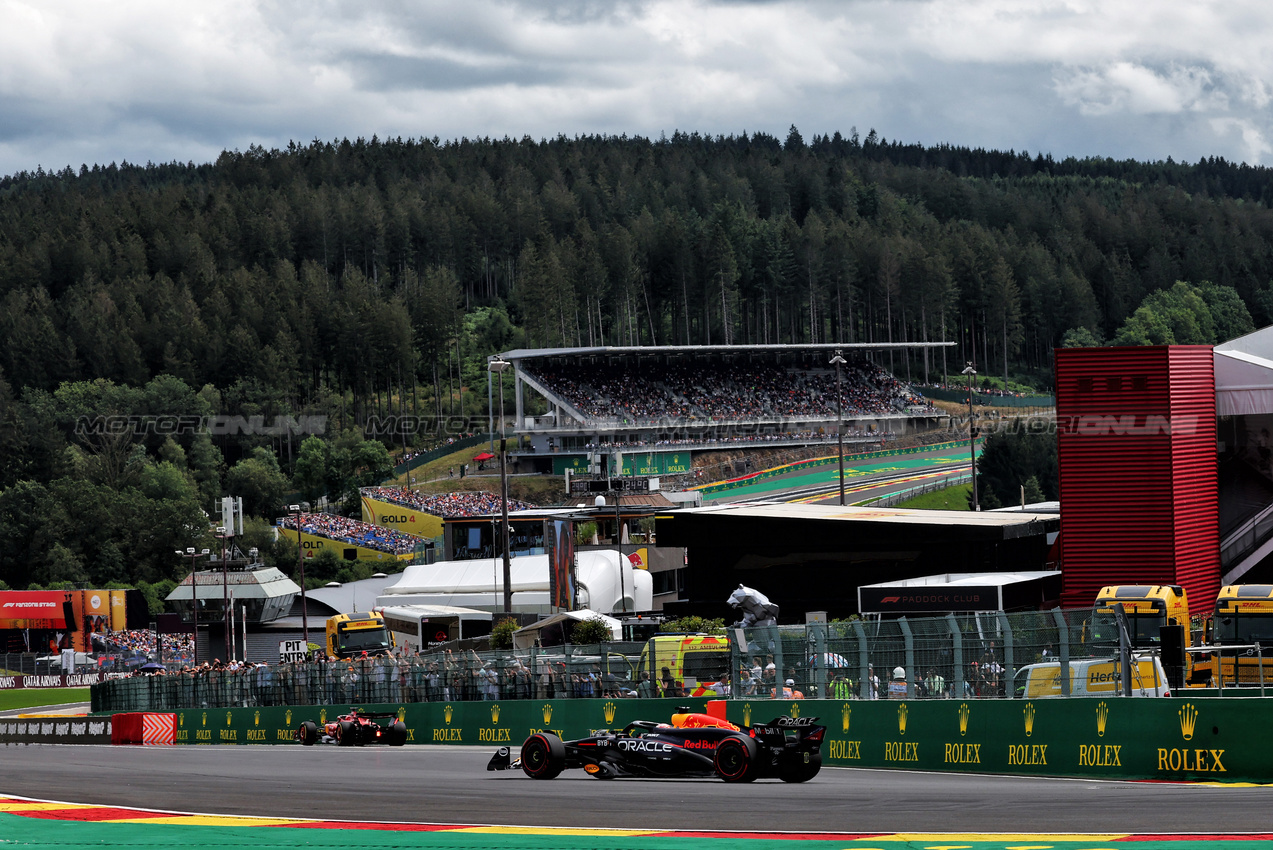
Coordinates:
687 398
350 538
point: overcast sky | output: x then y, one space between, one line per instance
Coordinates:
88 81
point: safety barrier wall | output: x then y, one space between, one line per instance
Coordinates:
55 730
1114 738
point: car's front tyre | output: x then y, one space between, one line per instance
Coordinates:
307 734
346 734
543 756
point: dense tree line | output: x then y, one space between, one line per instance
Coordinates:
352 278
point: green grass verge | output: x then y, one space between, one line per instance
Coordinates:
16 698
948 499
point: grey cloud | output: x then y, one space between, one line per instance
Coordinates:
381 72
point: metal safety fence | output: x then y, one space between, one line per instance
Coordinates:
960 656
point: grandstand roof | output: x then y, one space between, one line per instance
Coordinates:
591 351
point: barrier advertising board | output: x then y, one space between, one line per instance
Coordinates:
1111 738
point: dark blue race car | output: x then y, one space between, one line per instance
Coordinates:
788 748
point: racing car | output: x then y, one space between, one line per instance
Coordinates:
356 729
789 748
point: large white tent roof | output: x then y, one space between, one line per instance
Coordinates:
1244 374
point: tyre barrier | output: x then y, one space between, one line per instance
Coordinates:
145 728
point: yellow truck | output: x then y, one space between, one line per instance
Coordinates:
1243 620
350 635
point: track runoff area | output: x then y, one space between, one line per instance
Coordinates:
864 479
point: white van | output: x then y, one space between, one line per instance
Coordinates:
1093 677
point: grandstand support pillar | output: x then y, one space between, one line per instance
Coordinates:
499 365
839 418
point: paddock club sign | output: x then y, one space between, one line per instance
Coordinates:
921 600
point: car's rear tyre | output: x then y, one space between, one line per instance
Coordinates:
307 734
543 756
800 768
346 735
397 734
736 759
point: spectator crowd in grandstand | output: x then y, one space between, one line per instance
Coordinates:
459 504
355 532
728 392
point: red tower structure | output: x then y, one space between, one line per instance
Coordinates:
1136 435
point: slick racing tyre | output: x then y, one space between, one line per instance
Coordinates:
346 734
800 767
307 734
736 759
543 756
397 734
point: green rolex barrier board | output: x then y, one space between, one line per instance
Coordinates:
1172 739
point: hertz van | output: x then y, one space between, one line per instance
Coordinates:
696 661
1094 677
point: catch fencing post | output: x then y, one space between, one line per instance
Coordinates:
957 650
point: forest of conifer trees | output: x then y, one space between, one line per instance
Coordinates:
346 278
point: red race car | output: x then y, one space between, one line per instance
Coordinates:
356 729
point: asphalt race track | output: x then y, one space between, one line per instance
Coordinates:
425 784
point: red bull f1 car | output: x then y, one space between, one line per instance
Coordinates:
355 729
692 745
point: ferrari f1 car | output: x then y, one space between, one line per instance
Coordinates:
789 748
355 729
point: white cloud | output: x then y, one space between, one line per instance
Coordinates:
140 79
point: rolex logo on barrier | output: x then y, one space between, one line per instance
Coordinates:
495 713
1028 711
181 720
964 713
287 718
845 712
746 714
610 709
1188 720
1102 715
548 713
256 718
322 717
402 713
229 718
901 719
205 718
446 714
795 709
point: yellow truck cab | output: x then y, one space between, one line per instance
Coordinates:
1147 607
695 661
350 635
1243 618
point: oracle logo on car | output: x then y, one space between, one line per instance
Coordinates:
645 746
